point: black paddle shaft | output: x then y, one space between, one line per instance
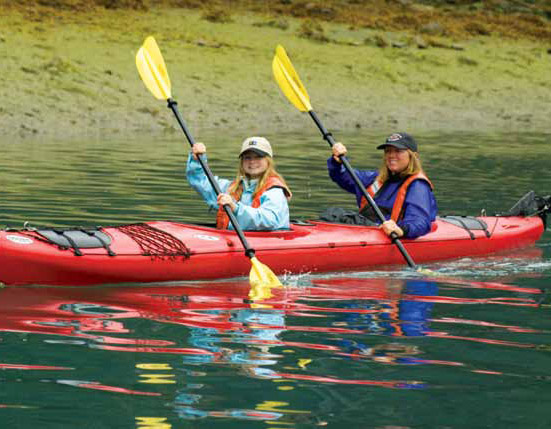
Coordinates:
172 105
394 237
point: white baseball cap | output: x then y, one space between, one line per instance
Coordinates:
259 145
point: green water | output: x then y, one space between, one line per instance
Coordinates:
468 349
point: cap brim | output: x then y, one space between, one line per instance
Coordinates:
397 145
255 150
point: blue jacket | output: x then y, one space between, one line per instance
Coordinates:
273 212
420 207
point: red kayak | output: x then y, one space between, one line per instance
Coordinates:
169 251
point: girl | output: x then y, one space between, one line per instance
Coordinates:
258 197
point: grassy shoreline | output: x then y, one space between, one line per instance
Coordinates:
69 75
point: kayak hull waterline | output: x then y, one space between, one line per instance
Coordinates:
169 251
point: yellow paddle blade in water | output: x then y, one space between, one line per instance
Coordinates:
152 69
262 280
289 82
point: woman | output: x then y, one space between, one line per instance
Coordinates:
400 188
258 197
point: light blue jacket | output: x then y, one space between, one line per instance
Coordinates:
273 212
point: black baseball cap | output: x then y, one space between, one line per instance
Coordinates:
400 141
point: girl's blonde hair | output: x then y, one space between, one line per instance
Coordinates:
270 171
413 167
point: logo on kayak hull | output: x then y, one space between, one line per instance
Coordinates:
206 237
19 239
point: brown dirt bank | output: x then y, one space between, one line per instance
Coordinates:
453 18
68 66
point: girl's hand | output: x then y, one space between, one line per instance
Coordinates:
198 149
338 149
390 226
224 199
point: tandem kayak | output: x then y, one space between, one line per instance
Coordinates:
162 251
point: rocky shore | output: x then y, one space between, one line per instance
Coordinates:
70 71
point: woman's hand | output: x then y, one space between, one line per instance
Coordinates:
338 150
198 149
224 199
390 226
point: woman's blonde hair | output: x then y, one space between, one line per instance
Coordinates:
414 166
270 171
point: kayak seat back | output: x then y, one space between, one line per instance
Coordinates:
77 239
301 222
468 223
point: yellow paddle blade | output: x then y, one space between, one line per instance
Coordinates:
262 280
289 82
152 69
303 362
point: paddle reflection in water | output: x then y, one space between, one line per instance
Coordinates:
210 352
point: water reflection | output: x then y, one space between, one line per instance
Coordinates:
328 332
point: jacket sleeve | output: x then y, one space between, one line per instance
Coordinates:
199 181
339 175
272 214
419 210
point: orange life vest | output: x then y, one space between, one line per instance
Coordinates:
400 198
223 220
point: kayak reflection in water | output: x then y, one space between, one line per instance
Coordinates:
400 188
258 197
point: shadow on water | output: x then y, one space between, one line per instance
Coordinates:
468 348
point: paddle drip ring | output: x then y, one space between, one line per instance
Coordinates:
154 242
